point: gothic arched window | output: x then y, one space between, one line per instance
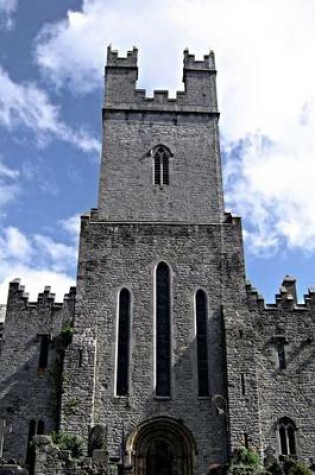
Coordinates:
161 157
123 356
287 442
163 330
202 342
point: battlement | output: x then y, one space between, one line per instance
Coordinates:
207 64
199 95
286 297
17 294
114 60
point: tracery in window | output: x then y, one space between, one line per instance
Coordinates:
287 442
123 357
202 342
161 157
163 329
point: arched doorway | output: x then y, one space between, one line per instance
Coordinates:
161 446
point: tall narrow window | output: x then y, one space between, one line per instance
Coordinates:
124 317
40 427
281 355
163 328
43 352
161 165
30 454
202 343
286 429
2 429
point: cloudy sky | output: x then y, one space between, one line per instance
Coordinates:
52 55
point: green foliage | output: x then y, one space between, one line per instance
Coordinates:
66 441
66 334
291 466
245 462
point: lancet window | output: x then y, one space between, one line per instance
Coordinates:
163 330
202 342
123 355
287 441
161 157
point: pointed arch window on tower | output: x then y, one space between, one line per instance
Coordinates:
123 356
287 442
163 330
202 342
161 157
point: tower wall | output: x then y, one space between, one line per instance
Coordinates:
187 126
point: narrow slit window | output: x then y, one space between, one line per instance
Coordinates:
123 358
163 328
281 355
287 439
161 165
202 343
80 357
2 430
43 352
30 454
243 384
40 427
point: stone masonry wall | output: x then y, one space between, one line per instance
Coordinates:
270 392
50 460
26 392
115 255
127 191
134 125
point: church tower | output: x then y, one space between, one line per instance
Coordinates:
158 258
167 357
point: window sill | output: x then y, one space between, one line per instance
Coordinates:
162 398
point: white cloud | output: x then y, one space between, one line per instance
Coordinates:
27 106
7 8
15 245
265 83
72 226
9 188
38 260
56 254
35 281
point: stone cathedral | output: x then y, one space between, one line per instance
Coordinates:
164 358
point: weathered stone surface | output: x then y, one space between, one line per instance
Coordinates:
136 226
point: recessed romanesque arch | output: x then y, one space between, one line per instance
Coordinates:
161 446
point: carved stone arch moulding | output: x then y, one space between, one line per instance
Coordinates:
161 446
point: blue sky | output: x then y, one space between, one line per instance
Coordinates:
52 55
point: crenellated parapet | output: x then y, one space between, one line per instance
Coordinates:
114 60
18 296
286 299
207 64
199 93
254 298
